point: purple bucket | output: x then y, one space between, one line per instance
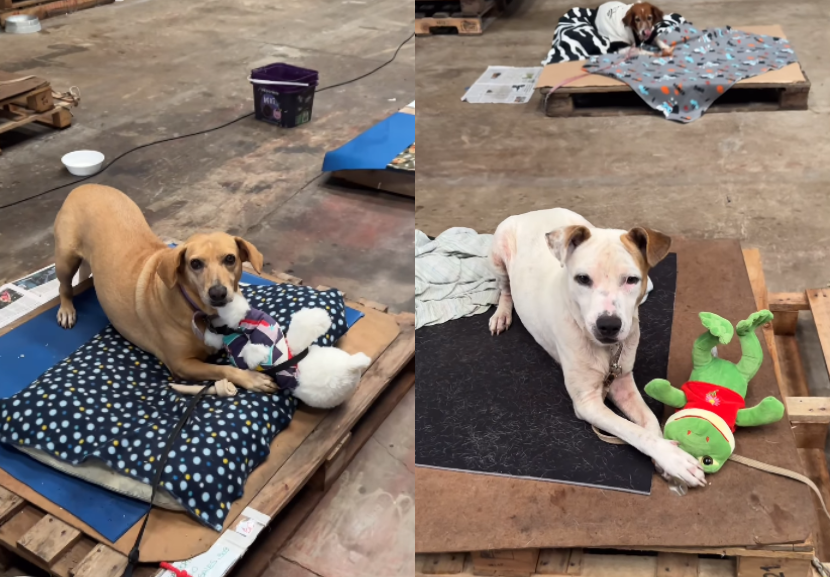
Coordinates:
284 94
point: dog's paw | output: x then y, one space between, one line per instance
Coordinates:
500 321
67 316
254 381
673 463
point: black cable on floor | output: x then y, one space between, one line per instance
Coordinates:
180 137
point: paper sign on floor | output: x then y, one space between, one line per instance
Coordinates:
503 85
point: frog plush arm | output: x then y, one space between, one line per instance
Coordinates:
718 331
752 355
662 390
767 411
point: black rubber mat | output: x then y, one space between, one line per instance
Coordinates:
498 405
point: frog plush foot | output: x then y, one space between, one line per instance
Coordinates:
754 321
767 411
718 327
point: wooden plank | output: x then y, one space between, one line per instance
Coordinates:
820 305
677 565
752 259
505 563
285 277
553 562
760 567
815 467
785 307
10 504
576 561
788 302
809 409
49 539
101 562
443 563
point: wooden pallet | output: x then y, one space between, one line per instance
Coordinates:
623 101
36 105
44 9
30 535
435 20
809 418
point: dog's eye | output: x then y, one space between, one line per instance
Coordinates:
632 280
196 264
230 260
649 18
583 279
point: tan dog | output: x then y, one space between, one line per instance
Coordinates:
140 281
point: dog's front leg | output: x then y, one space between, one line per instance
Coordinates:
668 457
625 394
196 370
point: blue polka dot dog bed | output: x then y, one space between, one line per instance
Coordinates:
104 415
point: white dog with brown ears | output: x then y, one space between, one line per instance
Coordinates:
577 289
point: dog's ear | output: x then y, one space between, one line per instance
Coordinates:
628 19
563 241
657 15
168 267
249 253
653 245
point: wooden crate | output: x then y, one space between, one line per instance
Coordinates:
44 9
435 20
37 105
809 418
30 534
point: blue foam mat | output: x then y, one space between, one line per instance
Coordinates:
26 353
375 148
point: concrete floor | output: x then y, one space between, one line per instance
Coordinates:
759 177
149 69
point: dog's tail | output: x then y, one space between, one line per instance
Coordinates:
307 325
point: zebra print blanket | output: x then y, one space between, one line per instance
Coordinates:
576 36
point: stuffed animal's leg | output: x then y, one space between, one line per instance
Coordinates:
663 391
223 388
752 355
719 331
770 410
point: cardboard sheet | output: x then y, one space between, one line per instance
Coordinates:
740 507
553 74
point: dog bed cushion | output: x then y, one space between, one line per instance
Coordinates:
106 406
498 405
576 36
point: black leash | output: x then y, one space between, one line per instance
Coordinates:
134 553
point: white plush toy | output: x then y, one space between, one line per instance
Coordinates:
324 378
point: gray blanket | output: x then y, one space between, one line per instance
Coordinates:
705 64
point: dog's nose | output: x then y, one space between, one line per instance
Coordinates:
217 293
609 325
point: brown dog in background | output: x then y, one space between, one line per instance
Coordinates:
140 280
631 24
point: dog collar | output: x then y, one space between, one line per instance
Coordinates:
198 313
614 367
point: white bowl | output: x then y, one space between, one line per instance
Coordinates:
83 162
22 24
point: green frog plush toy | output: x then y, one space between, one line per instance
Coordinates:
711 404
